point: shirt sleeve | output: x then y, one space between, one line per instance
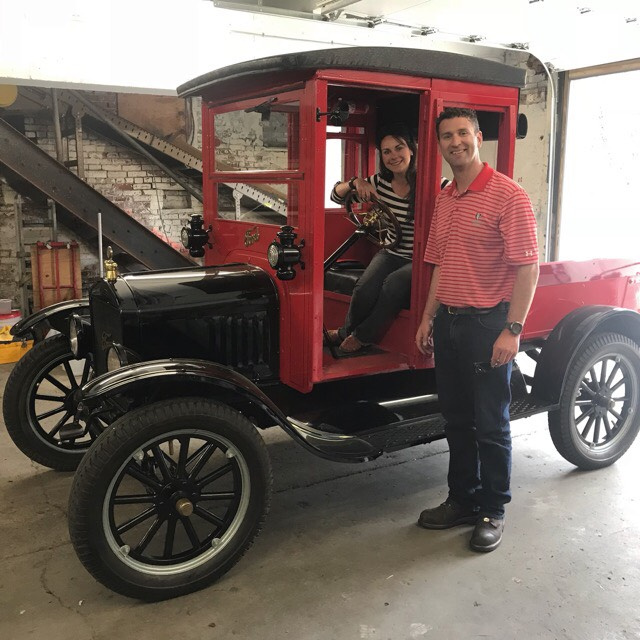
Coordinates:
338 200
519 230
334 196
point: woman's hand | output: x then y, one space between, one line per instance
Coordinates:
364 189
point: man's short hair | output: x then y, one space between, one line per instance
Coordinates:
458 112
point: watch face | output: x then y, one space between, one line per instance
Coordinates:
273 254
184 237
515 327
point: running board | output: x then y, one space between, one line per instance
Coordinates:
362 431
364 447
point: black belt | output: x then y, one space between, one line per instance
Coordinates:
476 311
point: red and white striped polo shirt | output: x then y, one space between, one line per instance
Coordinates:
479 237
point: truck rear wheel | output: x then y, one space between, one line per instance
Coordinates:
40 399
599 414
169 498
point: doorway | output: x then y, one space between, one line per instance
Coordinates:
599 192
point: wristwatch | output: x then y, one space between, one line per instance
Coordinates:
351 182
514 327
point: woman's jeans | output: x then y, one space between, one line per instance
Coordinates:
474 400
383 289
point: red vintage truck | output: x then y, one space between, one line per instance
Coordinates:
159 384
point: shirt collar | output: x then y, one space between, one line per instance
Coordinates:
480 181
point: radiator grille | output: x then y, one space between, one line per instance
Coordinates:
242 341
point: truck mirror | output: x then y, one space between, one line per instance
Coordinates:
522 127
337 115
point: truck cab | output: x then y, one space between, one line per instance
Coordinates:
310 121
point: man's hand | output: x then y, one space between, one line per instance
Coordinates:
424 336
505 348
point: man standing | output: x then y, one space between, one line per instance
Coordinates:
483 245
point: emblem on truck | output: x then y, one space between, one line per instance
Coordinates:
251 236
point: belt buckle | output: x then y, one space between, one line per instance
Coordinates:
450 312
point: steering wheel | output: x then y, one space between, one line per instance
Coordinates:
377 221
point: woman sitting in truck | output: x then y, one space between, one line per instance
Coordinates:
385 286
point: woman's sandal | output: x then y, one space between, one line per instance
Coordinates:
351 344
333 337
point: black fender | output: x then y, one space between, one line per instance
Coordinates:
55 316
565 343
186 377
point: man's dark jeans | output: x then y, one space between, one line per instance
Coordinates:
475 403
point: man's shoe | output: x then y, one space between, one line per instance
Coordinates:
448 514
487 535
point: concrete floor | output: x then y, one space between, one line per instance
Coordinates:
342 558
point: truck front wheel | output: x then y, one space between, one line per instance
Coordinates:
40 400
169 498
599 414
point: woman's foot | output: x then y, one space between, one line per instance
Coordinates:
351 344
333 337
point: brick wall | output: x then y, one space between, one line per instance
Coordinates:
193 122
119 173
8 246
240 142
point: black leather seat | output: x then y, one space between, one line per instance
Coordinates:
342 276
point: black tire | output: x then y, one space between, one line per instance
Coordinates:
40 398
599 414
124 516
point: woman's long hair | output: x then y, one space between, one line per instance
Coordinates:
402 132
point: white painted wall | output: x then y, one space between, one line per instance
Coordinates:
156 45
159 44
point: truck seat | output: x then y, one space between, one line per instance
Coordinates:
342 277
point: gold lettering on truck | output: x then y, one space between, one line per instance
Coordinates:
251 236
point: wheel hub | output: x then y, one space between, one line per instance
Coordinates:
184 507
178 496
603 401
72 400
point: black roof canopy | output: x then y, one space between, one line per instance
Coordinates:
414 62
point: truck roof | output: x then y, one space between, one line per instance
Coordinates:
413 62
